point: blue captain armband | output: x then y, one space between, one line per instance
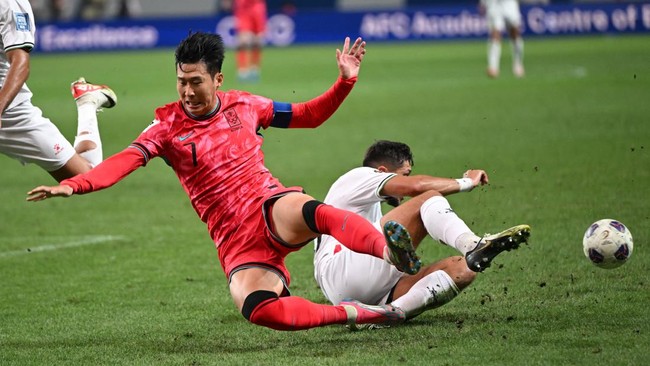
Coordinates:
282 114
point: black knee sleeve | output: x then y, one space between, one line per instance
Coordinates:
309 214
254 299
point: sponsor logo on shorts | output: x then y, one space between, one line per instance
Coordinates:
57 149
22 22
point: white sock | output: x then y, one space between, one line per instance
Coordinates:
88 130
443 224
430 292
494 54
518 51
466 242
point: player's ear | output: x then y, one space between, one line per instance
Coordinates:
382 168
218 79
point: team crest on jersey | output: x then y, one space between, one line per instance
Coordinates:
22 22
232 118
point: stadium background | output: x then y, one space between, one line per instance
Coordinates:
153 25
129 275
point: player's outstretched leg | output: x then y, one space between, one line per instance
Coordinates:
90 98
102 95
400 251
491 245
360 314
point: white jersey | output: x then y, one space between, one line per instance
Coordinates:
340 272
500 13
358 191
25 134
17 30
497 3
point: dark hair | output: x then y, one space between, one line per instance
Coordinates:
388 153
201 47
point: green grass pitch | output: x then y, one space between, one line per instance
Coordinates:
129 275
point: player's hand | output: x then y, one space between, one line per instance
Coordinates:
44 192
349 59
478 177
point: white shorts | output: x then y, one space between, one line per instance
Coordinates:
502 13
28 137
342 273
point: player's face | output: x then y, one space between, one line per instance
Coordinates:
196 88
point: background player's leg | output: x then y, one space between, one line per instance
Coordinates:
244 45
517 52
494 53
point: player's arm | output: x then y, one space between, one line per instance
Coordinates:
16 76
313 113
409 186
104 175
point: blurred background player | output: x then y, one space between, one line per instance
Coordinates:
250 24
503 15
105 9
25 134
385 177
211 139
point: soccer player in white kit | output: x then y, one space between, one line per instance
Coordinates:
385 177
25 134
503 15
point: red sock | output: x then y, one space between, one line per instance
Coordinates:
256 56
242 59
352 230
296 313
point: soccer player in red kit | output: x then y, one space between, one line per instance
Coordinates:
211 140
250 26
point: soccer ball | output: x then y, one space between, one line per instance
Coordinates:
607 243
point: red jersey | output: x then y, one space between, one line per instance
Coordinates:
250 15
218 159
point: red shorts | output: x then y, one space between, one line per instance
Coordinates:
253 244
251 17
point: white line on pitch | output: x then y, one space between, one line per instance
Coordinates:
83 241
